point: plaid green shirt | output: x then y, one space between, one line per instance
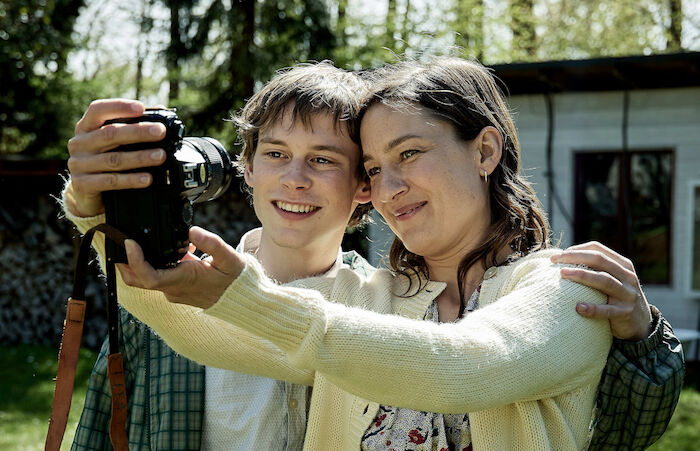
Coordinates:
639 390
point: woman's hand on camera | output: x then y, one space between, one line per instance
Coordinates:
614 275
93 169
194 281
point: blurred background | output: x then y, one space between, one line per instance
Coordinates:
605 93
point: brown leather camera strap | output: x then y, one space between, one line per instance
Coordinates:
70 347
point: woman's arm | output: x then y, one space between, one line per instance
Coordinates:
525 346
180 326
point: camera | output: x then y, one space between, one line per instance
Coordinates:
159 217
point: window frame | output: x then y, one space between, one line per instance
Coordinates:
693 184
626 177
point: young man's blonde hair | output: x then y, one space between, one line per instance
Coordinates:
308 89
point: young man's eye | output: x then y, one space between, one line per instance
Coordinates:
274 154
321 160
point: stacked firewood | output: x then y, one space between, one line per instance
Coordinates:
37 258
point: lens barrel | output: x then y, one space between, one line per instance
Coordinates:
219 167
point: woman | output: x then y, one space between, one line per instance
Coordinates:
443 158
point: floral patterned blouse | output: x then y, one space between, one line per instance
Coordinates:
396 428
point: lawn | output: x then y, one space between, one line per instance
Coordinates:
683 432
27 380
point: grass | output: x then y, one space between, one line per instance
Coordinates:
27 373
26 378
683 432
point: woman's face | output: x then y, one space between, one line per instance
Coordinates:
426 182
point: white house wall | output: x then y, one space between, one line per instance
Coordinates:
664 118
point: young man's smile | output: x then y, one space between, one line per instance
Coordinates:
305 183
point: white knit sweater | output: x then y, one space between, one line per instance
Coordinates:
526 367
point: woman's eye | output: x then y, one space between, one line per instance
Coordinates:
408 154
371 172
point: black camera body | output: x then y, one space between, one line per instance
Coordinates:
159 217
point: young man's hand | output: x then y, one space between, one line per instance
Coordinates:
614 275
93 169
194 281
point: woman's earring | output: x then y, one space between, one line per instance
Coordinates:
486 176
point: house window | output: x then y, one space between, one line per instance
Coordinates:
695 237
623 200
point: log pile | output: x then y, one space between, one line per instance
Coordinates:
37 253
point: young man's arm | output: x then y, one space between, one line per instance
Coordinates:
639 390
644 373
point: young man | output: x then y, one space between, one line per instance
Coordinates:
301 159
304 168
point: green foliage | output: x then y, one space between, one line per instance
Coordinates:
213 53
594 28
36 95
226 51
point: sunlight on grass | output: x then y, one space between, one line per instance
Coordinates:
27 380
683 432
25 406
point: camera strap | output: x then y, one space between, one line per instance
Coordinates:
70 347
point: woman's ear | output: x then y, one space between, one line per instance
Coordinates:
490 144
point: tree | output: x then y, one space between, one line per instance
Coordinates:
675 28
35 90
523 27
469 27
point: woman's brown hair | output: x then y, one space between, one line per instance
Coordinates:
465 94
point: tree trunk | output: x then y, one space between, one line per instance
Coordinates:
523 27
469 27
390 40
174 51
141 45
242 54
340 27
675 30
405 26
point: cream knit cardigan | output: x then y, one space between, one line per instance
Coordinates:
525 368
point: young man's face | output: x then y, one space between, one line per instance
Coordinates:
305 184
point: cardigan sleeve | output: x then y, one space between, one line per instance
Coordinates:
526 346
227 347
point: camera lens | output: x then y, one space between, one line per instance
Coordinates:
206 166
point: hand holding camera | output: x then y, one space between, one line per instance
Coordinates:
137 166
93 169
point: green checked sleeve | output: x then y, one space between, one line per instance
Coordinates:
639 390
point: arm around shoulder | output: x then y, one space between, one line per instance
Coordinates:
642 381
